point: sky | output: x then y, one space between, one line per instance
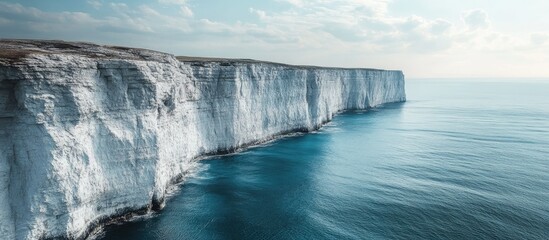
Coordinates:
424 38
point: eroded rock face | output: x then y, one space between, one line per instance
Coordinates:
90 132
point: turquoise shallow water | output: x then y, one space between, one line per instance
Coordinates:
459 160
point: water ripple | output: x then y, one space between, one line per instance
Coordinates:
454 162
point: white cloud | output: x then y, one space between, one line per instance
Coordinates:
140 20
298 3
323 32
476 19
261 14
440 26
174 2
360 24
95 3
539 38
186 11
375 7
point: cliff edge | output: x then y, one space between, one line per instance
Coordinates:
90 132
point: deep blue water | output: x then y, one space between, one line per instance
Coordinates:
459 160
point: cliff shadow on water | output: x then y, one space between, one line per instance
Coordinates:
263 186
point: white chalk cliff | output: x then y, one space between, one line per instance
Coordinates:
89 132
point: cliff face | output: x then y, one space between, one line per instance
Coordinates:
90 132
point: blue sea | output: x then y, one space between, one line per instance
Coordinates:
461 159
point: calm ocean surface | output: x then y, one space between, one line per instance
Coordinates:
459 160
